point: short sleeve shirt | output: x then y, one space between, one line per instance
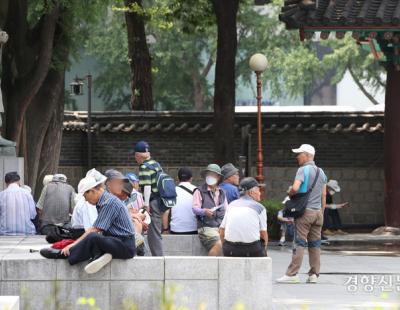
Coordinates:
306 174
243 221
113 217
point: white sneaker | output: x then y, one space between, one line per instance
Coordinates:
99 263
289 279
282 241
312 279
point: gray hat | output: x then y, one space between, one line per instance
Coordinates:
247 184
112 174
212 168
59 177
229 170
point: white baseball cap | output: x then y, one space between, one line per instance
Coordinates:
86 184
305 148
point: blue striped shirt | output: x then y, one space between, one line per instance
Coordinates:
113 217
17 209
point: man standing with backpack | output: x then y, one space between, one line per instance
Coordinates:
159 194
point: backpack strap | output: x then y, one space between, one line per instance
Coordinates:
155 167
315 180
187 190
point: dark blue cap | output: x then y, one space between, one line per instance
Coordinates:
141 147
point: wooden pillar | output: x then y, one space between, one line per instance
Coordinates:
392 148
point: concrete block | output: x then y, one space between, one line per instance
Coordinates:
69 292
138 268
13 268
77 272
191 268
197 248
194 294
144 294
247 281
177 243
180 253
35 295
9 302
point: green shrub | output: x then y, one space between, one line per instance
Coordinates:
272 207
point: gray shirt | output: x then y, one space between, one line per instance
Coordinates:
56 202
306 175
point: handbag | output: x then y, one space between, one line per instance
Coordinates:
296 206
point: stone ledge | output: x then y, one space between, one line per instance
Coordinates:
218 282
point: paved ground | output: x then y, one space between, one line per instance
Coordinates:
378 277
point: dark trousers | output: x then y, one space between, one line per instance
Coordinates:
154 234
238 249
96 244
332 219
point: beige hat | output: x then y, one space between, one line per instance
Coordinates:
334 185
47 179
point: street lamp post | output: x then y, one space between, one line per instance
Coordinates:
77 90
258 63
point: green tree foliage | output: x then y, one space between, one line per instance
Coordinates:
183 55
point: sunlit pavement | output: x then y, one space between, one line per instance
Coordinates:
346 282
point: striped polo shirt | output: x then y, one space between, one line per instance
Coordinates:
148 175
113 217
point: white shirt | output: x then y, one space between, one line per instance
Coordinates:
242 223
182 217
84 214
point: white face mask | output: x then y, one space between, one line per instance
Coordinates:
332 192
211 180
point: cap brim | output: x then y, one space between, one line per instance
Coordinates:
204 172
297 151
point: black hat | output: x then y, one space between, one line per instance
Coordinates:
185 174
11 177
248 183
127 188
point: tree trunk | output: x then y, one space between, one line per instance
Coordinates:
140 60
198 92
392 148
44 126
26 62
224 91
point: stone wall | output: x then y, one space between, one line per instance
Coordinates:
349 149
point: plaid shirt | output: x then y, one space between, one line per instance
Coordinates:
113 218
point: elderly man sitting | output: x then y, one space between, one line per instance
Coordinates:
112 234
56 203
17 208
243 230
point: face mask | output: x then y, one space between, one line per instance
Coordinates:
211 181
332 192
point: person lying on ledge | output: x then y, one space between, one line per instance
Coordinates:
112 234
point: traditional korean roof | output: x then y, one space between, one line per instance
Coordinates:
354 14
161 122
